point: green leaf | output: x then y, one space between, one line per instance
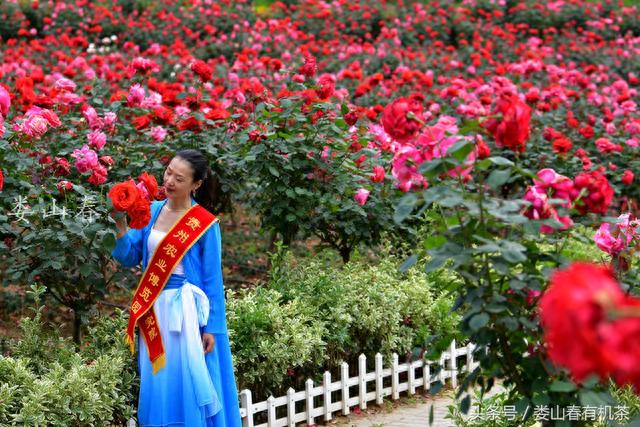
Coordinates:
478 321
431 414
434 242
469 126
109 241
408 263
273 171
500 161
541 399
498 177
461 149
562 386
404 208
509 322
592 398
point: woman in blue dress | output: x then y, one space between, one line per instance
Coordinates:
196 387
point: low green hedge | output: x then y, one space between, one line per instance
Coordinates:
313 315
46 382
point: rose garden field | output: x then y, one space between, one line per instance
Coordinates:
391 176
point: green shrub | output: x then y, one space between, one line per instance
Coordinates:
370 308
269 337
44 381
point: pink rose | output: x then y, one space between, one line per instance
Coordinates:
97 139
361 196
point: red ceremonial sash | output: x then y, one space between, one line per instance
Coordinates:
186 231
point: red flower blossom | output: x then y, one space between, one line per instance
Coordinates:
627 177
203 71
123 195
309 68
351 118
590 325
512 130
150 184
401 119
140 213
141 122
562 145
598 195
482 149
191 124
378 174
570 312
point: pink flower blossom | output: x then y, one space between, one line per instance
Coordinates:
34 126
135 96
91 115
361 196
110 120
614 238
607 242
405 168
86 159
97 139
65 84
5 101
158 133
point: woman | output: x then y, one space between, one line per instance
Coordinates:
188 379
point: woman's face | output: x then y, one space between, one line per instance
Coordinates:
178 179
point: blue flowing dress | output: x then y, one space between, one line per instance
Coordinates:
176 396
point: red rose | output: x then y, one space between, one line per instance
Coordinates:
64 186
203 71
163 115
162 194
1 180
562 145
141 122
512 130
98 175
309 68
587 132
483 150
620 347
123 195
401 118
351 118
106 160
598 195
62 167
378 174
571 311
627 177
327 84
140 213
150 184
190 123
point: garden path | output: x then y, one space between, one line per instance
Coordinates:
408 413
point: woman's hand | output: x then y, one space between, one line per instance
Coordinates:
121 222
208 341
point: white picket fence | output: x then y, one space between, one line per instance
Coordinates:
418 375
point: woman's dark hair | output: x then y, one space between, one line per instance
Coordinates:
207 195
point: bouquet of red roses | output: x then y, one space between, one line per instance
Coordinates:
135 199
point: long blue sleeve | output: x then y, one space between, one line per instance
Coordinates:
212 280
128 250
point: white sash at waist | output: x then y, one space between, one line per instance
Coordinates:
189 310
